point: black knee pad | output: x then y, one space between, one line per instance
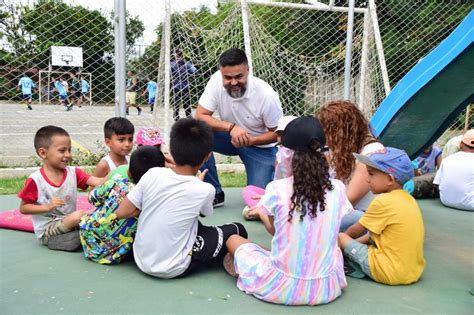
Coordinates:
241 230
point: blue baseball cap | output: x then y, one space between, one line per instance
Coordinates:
392 161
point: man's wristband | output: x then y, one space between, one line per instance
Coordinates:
232 125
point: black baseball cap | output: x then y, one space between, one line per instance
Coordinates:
300 133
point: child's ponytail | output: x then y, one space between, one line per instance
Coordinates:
311 179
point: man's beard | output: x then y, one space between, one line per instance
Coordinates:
237 94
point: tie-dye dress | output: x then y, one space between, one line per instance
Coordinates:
305 265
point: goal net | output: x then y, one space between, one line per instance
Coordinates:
300 52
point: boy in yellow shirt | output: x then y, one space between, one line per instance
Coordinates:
387 242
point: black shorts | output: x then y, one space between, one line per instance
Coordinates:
76 95
209 247
26 96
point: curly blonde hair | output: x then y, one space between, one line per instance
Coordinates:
347 131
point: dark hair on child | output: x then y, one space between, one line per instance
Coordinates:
310 181
44 135
233 57
191 141
144 158
118 126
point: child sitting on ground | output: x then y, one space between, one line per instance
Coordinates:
387 242
170 240
428 161
49 194
104 238
303 212
118 133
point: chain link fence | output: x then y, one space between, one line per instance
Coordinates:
299 49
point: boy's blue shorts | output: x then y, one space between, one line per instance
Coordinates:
151 101
63 97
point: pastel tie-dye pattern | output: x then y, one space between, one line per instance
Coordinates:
305 265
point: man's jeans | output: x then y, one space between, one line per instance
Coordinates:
259 162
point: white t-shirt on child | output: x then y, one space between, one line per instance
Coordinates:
167 226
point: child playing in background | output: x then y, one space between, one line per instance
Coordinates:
104 238
150 87
428 161
251 194
63 96
392 251
27 85
170 240
118 133
303 212
50 193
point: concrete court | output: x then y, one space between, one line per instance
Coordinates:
19 125
36 280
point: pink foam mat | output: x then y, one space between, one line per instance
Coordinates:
15 220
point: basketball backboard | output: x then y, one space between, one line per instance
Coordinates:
66 56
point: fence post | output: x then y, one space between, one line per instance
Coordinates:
347 63
245 24
363 61
120 65
167 36
378 44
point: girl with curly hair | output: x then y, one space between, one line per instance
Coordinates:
347 132
303 212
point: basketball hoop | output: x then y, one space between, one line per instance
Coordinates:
67 59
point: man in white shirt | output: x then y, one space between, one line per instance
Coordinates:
249 110
455 176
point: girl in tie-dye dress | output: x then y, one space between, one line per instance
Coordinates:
303 213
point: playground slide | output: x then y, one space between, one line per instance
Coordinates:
431 95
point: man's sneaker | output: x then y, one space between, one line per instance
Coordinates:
218 200
139 111
29 107
68 108
68 242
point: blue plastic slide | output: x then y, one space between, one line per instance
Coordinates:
427 100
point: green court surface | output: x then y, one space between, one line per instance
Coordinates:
37 280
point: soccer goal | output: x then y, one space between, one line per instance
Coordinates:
48 95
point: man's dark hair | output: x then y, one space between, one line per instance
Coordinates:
191 141
233 57
144 158
118 126
44 135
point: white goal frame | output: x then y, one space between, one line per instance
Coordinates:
48 75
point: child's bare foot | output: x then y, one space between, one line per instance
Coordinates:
229 265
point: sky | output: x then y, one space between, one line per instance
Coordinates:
150 12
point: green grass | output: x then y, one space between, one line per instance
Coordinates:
13 185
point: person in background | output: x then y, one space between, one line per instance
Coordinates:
181 69
455 176
150 88
27 85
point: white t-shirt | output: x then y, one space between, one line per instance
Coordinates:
256 111
167 226
455 178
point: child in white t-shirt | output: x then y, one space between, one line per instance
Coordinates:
170 240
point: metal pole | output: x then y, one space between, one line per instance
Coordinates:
363 61
167 63
347 64
120 43
378 44
245 23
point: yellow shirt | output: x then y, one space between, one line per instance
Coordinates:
397 233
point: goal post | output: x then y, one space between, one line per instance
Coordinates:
46 85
